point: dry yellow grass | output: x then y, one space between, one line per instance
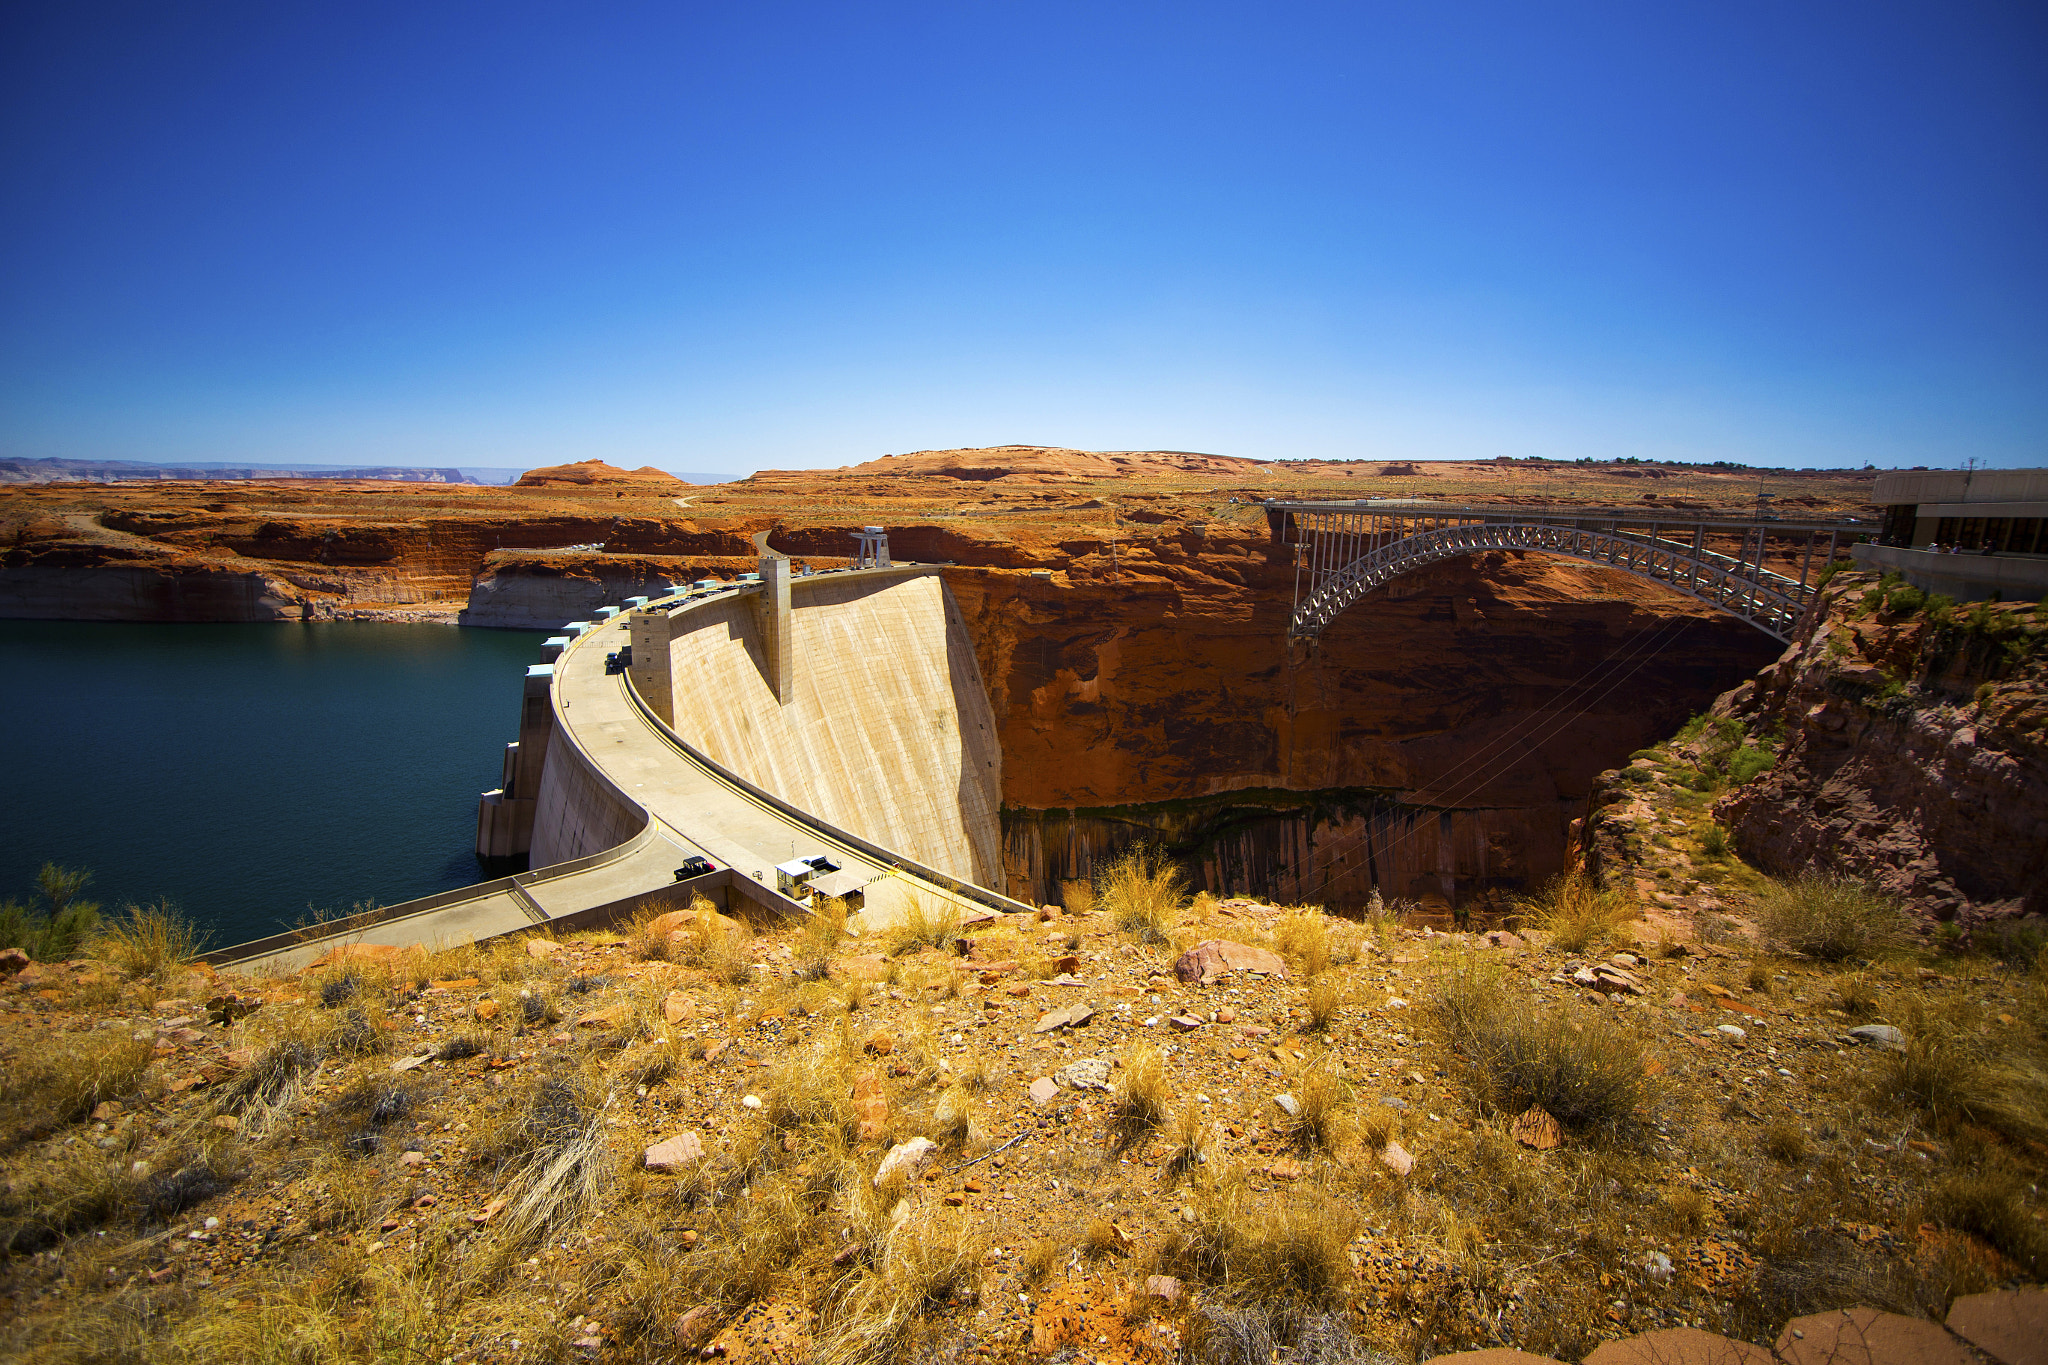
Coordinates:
146 941
1576 911
1143 893
1303 938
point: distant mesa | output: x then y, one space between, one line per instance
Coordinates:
1051 464
587 473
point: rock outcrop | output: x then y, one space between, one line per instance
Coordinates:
1916 755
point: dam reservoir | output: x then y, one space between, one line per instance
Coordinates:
253 773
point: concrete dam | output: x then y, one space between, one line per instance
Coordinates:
782 717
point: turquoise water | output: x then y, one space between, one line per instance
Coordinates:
251 773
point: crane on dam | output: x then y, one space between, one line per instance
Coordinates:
1744 565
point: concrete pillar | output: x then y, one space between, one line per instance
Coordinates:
536 728
504 817
651 666
772 602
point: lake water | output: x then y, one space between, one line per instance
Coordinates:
251 773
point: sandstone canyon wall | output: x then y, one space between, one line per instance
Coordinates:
1915 756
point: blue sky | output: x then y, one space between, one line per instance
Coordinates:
773 236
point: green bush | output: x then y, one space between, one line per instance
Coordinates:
1905 600
1830 918
54 924
1941 608
1748 762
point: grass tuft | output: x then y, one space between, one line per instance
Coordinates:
60 1081
1138 1100
1303 938
1143 893
1830 918
1587 1073
147 941
1576 910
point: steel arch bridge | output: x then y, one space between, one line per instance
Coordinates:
1345 550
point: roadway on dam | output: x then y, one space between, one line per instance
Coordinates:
692 808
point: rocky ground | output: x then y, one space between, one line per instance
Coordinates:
540 1150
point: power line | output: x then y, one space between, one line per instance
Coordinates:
1619 656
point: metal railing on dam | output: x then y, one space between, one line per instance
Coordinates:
1344 550
606 746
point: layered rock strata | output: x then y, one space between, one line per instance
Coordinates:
1915 757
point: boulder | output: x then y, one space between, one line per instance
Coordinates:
907 1159
1879 1035
12 960
677 1153
1218 957
1868 1337
1090 1073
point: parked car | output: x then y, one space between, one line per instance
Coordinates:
694 866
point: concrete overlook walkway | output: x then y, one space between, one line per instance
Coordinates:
675 800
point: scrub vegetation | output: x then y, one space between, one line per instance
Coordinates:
818 1140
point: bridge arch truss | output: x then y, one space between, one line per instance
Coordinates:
1743 566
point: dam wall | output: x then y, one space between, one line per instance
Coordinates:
578 811
885 730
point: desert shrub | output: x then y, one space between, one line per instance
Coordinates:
923 926
1303 938
1293 1254
1139 1099
1257 1334
1904 600
550 1141
272 1081
1143 893
1041 1258
1748 762
146 941
1188 1139
1077 897
919 1266
1587 1073
2011 942
1956 1069
1785 1142
823 929
1322 1108
1992 1204
1714 840
1575 909
1856 996
54 924
1833 919
60 1080
469 1043
160 1198
70 1190
1325 998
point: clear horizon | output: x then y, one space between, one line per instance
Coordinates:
797 236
